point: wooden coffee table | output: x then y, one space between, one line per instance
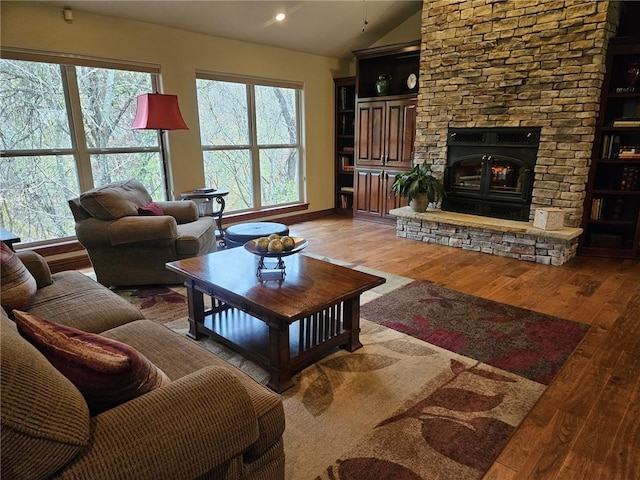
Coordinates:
282 325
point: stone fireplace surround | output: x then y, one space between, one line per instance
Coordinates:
517 63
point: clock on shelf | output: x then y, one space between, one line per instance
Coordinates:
412 81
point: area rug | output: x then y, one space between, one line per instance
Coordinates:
399 408
530 344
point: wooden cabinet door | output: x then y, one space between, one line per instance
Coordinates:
391 201
368 189
400 133
371 133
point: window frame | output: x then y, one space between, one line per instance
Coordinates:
79 149
254 147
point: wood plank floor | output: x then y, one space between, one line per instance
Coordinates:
587 423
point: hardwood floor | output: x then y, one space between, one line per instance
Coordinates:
587 423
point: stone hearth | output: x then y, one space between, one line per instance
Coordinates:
506 238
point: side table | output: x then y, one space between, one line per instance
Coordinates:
205 205
9 238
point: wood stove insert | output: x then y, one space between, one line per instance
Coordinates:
490 171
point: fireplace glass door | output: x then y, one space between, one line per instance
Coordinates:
467 174
506 175
490 175
490 171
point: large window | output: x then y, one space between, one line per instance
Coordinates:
66 129
250 134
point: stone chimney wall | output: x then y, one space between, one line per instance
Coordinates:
517 63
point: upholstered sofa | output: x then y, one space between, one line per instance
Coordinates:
210 421
130 238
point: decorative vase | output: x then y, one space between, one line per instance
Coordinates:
419 203
383 84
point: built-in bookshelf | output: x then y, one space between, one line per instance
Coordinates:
612 202
345 112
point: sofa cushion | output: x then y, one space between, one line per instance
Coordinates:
17 285
76 300
150 209
106 372
45 420
179 356
37 266
115 200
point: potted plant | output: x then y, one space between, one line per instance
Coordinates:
419 186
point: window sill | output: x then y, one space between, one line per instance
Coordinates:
265 213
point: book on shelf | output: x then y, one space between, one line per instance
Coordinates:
349 149
345 163
346 190
345 201
596 208
610 146
629 151
629 122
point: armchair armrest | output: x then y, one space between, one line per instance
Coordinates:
37 266
138 229
184 430
184 211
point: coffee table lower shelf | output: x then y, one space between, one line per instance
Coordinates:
283 350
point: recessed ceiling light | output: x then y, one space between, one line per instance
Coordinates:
280 17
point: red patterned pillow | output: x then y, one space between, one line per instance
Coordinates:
106 372
149 209
17 285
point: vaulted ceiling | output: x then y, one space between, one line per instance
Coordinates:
323 27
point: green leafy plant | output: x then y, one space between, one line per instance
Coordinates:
418 180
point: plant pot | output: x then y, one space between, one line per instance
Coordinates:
419 203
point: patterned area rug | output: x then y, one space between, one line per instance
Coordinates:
527 343
400 408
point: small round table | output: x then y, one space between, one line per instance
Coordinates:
239 234
205 205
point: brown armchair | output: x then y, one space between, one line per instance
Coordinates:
130 248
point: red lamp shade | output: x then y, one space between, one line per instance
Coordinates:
158 111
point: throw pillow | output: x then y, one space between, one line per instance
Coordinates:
17 285
152 208
115 200
106 372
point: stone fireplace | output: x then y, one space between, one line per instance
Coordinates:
513 63
517 63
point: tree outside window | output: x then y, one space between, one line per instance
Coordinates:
250 136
